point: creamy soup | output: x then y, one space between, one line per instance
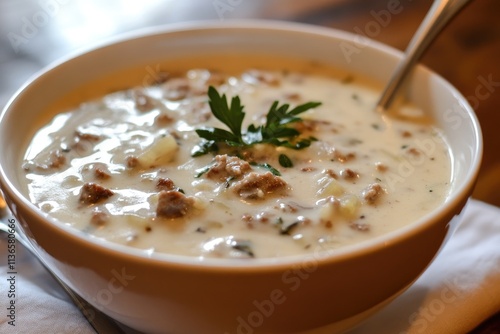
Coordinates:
148 167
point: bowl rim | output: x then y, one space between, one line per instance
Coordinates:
276 263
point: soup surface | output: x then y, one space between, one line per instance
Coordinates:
318 168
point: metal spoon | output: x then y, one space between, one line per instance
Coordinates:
101 323
440 13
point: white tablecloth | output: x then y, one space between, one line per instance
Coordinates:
458 291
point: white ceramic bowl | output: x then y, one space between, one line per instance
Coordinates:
162 293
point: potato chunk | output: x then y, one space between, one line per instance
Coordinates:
163 150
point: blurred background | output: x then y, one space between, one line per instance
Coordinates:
34 33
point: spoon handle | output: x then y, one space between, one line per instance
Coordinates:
440 13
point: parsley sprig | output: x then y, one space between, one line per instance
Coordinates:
275 131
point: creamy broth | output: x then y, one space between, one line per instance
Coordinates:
121 167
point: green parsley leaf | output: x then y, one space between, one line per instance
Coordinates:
204 148
231 115
274 131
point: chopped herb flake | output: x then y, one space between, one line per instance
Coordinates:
285 161
285 230
243 246
267 166
201 171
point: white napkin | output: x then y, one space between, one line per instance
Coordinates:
457 292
